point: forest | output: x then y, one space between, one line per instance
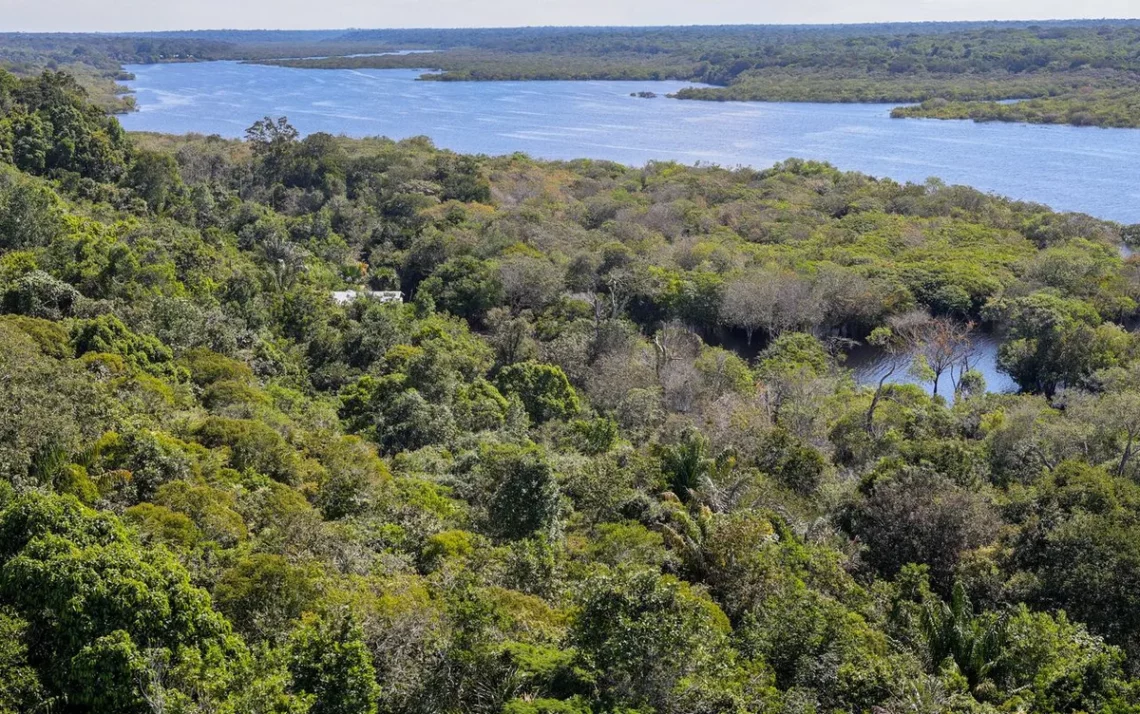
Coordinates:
545 482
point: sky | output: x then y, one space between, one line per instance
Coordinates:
137 15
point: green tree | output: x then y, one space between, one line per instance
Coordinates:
107 334
1057 342
90 595
20 689
264 594
329 660
154 177
525 499
30 213
643 636
52 409
465 287
41 295
544 390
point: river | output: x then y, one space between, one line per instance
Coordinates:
1085 169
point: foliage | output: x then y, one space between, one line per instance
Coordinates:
559 479
330 661
544 390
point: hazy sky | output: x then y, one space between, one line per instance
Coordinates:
129 15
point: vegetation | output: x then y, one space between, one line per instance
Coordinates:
95 61
1110 108
539 485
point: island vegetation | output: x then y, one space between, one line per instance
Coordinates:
538 485
1106 108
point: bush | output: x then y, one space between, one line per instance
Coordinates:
38 294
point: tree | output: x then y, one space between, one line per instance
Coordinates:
1057 342
251 445
898 342
264 594
56 130
465 287
525 499
692 473
1116 416
38 294
51 410
795 373
30 215
773 300
20 688
317 162
643 635
529 283
154 176
395 417
329 660
975 643
107 334
544 390
354 480
92 599
512 337
268 135
910 515
945 345
748 304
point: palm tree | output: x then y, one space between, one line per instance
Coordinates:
695 476
976 643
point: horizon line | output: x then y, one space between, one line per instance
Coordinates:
871 23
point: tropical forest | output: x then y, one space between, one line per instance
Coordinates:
302 423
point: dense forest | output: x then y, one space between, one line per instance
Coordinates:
537 485
1074 72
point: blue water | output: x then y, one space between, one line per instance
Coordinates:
1092 170
870 364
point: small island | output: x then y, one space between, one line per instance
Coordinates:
644 95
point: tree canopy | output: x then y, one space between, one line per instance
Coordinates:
603 456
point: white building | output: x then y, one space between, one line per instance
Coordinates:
344 297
